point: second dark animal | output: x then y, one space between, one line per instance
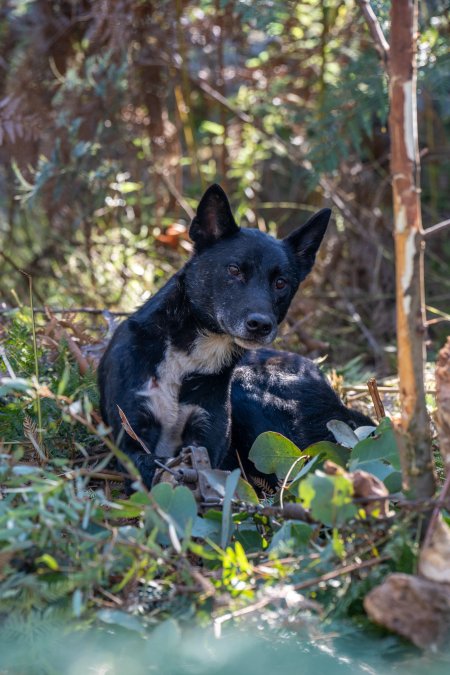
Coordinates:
286 393
169 366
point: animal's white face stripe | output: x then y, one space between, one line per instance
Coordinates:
210 353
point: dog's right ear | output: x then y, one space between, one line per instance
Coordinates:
214 219
305 241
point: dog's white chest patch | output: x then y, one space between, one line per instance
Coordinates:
210 353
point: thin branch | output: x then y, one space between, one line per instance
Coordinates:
375 29
440 504
373 344
436 228
386 389
8 365
74 310
293 153
347 569
175 193
376 399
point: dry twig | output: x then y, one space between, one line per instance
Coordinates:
376 399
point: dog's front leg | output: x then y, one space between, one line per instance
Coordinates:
144 462
212 431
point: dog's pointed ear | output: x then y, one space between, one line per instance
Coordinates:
214 219
305 240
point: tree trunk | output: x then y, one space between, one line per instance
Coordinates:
409 246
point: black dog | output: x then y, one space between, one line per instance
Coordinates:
287 393
169 366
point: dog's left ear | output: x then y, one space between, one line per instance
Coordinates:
305 241
214 219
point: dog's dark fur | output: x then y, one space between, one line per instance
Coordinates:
169 366
283 392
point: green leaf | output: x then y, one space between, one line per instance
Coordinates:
212 128
133 507
11 385
306 468
22 470
292 536
250 539
343 433
319 453
364 432
178 503
338 543
382 446
245 492
393 481
227 521
119 618
273 453
205 528
327 450
328 497
126 187
77 603
48 560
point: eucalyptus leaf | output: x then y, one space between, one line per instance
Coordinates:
250 539
381 446
212 128
11 385
245 492
206 528
328 497
364 432
119 618
179 504
274 453
292 536
343 433
227 521
327 450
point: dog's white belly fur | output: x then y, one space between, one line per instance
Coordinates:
210 353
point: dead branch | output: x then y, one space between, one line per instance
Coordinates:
74 310
175 193
435 229
347 569
376 398
375 29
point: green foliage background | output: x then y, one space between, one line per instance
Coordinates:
114 116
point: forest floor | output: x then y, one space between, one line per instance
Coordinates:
74 548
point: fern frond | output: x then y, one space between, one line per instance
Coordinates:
263 485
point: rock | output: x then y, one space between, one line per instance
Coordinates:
416 608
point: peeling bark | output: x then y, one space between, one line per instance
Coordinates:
409 247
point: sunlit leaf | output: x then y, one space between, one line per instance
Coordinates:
381 446
343 433
273 453
328 497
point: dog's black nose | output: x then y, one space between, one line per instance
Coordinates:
259 323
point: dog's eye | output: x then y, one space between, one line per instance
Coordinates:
234 270
280 283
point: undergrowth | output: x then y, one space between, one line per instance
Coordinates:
74 549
